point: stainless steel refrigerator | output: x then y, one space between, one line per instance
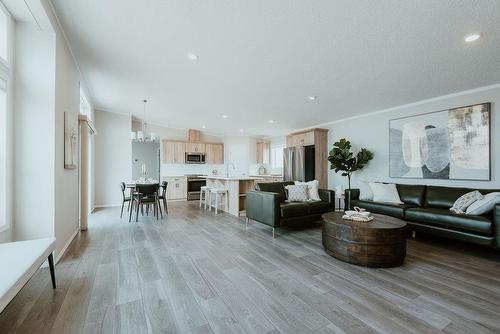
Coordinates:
298 163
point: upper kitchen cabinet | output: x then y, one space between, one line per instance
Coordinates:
214 153
263 152
301 139
194 135
194 147
174 152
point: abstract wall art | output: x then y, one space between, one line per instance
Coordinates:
450 144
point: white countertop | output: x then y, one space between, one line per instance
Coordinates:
266 175
231 178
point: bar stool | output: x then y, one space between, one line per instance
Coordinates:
219 193
205 190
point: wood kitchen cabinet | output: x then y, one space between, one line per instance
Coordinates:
174 152
318 138
300 139
263 152
214 153
176 188
194 135
193 147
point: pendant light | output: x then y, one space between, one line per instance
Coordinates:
141 135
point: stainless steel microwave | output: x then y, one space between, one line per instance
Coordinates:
195 158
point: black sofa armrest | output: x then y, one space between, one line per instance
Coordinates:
264 207
327 196
496 225
350 194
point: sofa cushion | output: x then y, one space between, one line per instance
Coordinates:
411 194
464 201
293 210
296 193
318 207
394 210
446 218
274 187
385 193
443 197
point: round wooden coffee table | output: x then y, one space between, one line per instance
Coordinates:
378 243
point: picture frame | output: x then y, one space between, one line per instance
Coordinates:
450 144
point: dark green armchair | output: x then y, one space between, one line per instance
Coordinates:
267 205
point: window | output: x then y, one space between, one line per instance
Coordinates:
5 115
4 34
3 153
277 157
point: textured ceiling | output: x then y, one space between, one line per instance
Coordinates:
260 60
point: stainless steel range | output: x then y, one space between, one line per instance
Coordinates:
194 184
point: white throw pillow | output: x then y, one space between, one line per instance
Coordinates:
312 189
297 193
385 192
464 201
365 192
485 205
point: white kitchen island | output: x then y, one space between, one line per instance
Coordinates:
237 187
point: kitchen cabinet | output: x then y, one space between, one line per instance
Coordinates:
214 153
176 187
268 179
194 147
174 152
194 135
300 139
318 138
263 152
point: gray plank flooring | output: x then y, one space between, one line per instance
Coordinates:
195 272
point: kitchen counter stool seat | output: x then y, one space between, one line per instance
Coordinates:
219 194
205 196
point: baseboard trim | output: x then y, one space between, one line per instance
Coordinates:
106 206
61 253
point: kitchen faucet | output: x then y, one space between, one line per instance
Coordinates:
227 168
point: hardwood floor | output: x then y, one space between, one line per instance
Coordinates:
194 272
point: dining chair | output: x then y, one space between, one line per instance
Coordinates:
163 195
146 194
125 198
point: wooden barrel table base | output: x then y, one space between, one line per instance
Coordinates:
378 243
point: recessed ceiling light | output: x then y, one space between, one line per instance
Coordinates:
192 56
224 116
312 98
472 37
241 130
203 127
271 121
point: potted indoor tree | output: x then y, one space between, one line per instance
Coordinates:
342 159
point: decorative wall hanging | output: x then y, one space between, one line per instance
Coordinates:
450 144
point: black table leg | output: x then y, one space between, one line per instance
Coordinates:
52 270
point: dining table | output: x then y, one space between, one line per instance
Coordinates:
132 183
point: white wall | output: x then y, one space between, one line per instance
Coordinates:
6 152
241 151
372 132
47 84
34 133
113 157
67 99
